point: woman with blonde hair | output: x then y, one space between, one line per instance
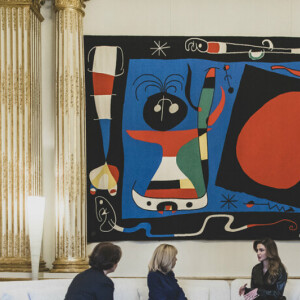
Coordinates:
269 277
161 280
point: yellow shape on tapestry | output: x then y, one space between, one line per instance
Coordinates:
203 146
186 184
102 178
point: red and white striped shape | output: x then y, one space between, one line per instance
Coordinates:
104 72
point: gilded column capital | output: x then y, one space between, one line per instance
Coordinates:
35 5
70 4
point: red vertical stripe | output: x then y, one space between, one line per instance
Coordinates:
103 83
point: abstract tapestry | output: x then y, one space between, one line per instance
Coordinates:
192 137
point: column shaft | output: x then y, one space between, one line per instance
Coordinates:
20 127
70 139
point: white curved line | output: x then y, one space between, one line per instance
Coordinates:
227 226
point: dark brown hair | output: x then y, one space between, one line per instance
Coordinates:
275 264
104 256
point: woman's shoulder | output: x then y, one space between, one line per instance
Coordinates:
155 277
281 274
159 274
282 271
153 274
257 267
93 275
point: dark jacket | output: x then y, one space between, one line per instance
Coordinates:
267 291
91 284
164 287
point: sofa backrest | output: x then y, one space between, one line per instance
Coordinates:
207 289
136 289
125 289
53 289
235 286
291 291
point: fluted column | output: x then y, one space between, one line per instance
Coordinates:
70 139
20 126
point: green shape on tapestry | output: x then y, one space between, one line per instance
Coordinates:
189 162
205 103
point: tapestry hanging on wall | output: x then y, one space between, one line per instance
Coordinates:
192 137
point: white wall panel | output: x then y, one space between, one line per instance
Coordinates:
173 17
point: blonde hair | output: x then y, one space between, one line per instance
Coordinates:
163 259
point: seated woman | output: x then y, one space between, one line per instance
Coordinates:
269 277
93 283
161 280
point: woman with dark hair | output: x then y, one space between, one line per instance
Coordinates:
94 283
269 277
161 280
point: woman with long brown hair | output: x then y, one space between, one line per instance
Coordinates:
269 277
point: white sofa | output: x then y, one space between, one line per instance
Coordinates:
291 291
194 289
125 289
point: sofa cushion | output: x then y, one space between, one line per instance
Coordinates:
57 293
235 286
52 289
216 289
14 295
192 293
127 288
197 293
202 289
143 293
292 289
14 290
